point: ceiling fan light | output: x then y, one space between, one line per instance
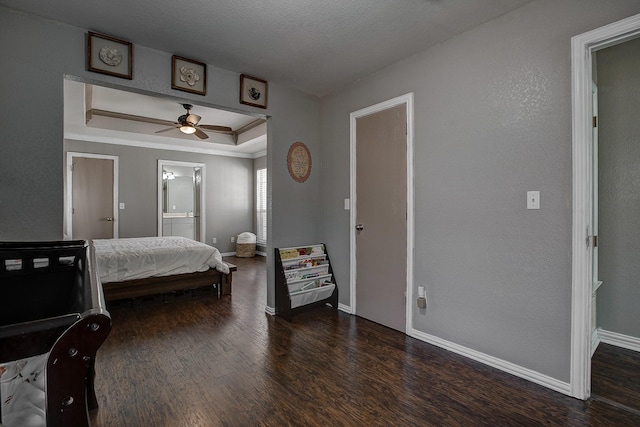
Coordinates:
188 129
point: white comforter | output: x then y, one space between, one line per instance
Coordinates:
22 390
138 258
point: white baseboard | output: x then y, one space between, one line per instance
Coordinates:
261 253
503 365
595 341
619 340
270 310
345 308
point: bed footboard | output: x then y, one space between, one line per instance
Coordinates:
156 285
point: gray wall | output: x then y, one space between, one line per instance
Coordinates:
619 188
493 120
228 186
37 53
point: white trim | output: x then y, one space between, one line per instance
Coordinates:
261 253
595 341
270 310
68 199
503 365
228 254
259 154
345 308
619 340
582 47
77 136
407 100
203 192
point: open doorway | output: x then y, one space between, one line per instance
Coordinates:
181 204
586 205
616 360
140 127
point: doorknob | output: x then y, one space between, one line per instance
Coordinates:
109 218
359 227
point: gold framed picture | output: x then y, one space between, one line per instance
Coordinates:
299 162
109 55
188 75
253 91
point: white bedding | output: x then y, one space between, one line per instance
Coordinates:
141 257
22 390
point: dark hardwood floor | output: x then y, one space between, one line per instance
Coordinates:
615 376
225 362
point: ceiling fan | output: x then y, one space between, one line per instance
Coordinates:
188 121
188 124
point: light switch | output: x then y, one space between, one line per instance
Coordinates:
533 200
347 204
121 205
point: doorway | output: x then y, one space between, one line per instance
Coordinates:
615 200
382 212
181 199
583 49
91 196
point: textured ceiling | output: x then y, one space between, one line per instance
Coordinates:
315 46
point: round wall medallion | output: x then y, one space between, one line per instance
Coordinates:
110 56
299 162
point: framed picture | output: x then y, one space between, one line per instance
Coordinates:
253 91
299 162
109 55
188 75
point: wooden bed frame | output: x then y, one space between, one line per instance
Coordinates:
156 285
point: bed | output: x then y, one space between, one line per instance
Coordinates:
53 319
136 267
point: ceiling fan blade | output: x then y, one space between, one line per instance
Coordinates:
216 128
201 134
166 130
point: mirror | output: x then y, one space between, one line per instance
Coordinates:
180 199
178 191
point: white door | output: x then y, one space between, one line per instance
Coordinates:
93 213
381 215
594 213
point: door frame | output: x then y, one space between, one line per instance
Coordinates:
582 48
68 195
406 100
200 195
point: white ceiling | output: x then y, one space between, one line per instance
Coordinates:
314 46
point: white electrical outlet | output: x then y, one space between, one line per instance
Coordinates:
215 240
233 239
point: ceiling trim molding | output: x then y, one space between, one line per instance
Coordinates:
145 144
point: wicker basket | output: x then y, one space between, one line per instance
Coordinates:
245 250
